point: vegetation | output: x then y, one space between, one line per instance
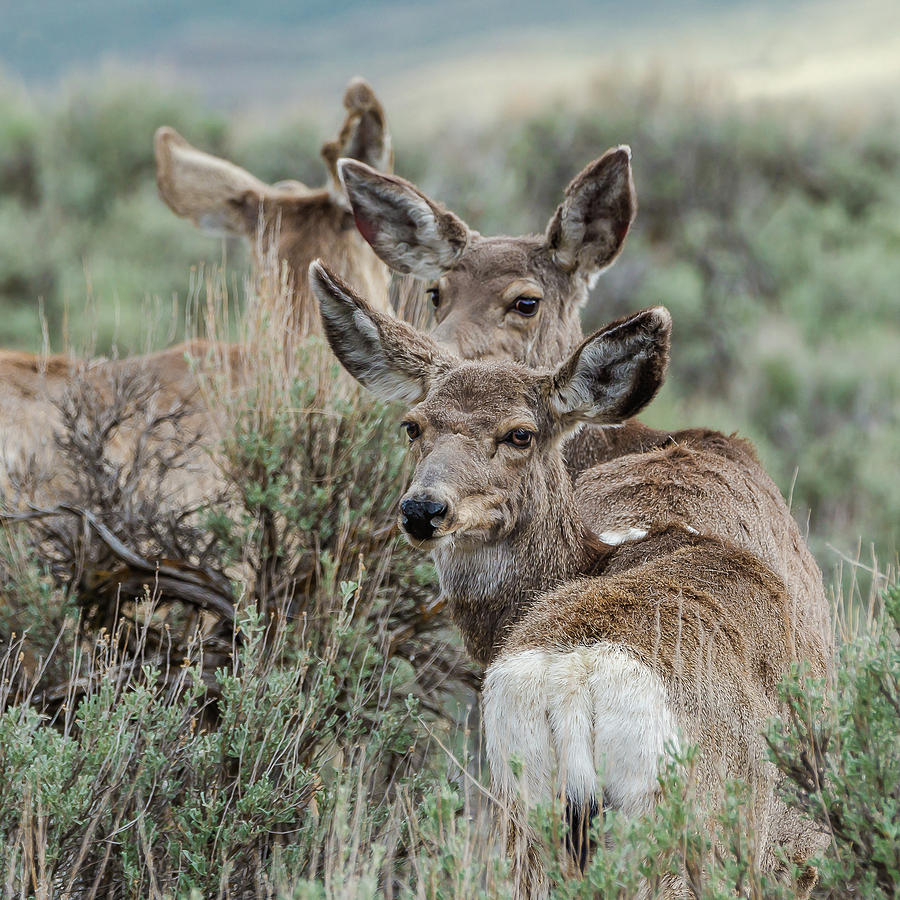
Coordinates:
840 751
194 696
774 242
300 728
256 695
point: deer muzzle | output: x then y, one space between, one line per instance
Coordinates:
421 516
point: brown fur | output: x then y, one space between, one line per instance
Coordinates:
693 484
475 321
32 389
304 223
516 537
711 621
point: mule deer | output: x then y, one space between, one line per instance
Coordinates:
599 657
520 298
215 194
304 223
33 389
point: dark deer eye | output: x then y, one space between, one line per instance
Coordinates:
519 437
434 295
526 306
412 430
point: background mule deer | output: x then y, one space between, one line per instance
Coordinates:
216 194
676 637
303 223
521 297
508 297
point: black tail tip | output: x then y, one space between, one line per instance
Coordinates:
578 820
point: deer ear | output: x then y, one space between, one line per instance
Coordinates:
615 373
408 231
387 356
364 136
214 194
588 229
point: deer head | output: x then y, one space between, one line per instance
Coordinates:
512 297
304 223
486 435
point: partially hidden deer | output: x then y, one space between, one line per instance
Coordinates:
520 298
601 658
303 223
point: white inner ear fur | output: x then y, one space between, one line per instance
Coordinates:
362 354
366 325
429 254
406 231
572 228
579 394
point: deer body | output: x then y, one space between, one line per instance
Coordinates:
520 298
34 389
600 655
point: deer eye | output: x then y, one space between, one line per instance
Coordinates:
519 437
412 430
434 294
526 306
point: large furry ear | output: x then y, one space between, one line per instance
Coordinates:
615 373
214 194
588 229
387 356
408 231
364 136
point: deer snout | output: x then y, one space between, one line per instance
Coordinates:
421 516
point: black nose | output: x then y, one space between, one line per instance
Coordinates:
417 517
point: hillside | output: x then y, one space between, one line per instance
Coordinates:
460 57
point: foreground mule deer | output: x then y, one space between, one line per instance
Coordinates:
304 223
520 298
599 657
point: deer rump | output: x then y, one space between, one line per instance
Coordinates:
606 678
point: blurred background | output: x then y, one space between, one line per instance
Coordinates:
766 141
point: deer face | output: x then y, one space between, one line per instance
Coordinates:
477 439
500 297
487 435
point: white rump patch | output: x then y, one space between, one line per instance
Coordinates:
575 719
614 538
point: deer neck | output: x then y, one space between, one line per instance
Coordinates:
489 587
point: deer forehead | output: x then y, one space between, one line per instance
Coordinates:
478 397
490 266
